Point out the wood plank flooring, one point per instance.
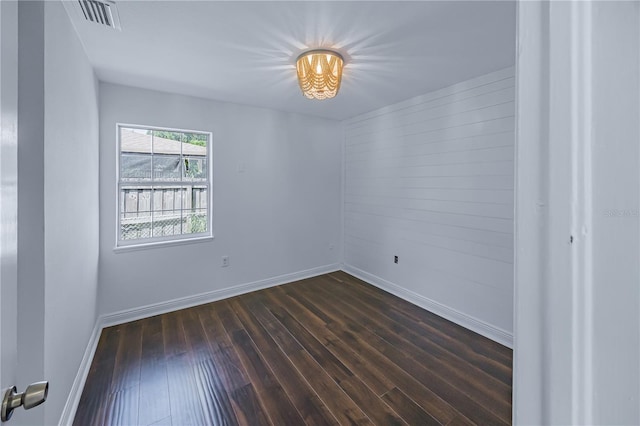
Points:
(323, 351)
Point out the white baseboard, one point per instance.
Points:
(211, 296)
(70, 407)
(120, 317)
(494, 333)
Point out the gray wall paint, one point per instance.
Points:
(431, 180)
(616, 217)
(279, 216)
(57, 204)
(70, 204)
(577, 304)
(31, 275)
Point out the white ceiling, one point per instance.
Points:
(245, 52)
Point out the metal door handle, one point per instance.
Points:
(34, 395)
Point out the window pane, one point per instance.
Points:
(165, 142)
(194, 210)
(196, 143)
(194, 151)
(135, 167)
(167, 219)
(166, 167)
(195, 168)
(135, 154)
(135, 213)
(135, 140)
(151, 161)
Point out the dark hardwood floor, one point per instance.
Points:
(327, 350)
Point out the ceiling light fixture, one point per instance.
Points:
(319, 73)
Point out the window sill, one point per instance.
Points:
(159, 244)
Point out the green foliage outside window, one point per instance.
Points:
(198, 224)
(192, 138)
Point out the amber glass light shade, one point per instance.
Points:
(319, 73)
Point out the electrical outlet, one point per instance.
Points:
(225, 261)
(395, 259)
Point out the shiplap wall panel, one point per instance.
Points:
(431, 180)
(432, 229)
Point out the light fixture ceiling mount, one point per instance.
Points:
(319, 73)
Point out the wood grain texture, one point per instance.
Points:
(323, 351)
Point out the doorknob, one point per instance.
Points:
(34, 395)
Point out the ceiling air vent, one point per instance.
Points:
(101, 12)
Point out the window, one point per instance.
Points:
(164, 185)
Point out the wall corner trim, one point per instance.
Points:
(489, 331)
(107, 320)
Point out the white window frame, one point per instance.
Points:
(153, 242)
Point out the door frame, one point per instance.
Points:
(8, 191)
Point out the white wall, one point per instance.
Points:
(70, 205)
(57, 205)
(577, 304)
(616, 213)
(431, 180)
(278, 217)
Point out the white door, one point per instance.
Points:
(8, 191)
